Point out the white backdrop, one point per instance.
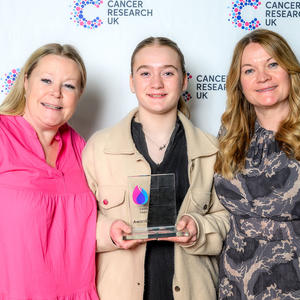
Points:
(205, 30)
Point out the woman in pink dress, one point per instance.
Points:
(47, 212)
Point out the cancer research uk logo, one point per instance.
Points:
(186, 95)
(7, 80)
(236, 16)
(202, 86)
(91, 14)
(209, 83)
(251, 14)
(78, 17)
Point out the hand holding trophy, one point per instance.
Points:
(152, 207)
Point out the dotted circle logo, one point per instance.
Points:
(8, 80)
(186, 95)
(77, 15)
(236, 14)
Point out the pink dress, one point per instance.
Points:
(47, 218)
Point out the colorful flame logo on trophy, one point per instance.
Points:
(139, 196)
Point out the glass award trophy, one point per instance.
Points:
(152, 207)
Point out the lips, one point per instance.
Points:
(161, 95)
(268, 89)
(51, 106)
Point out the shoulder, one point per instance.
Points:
(205, 142)
(117, 136)
(207, 137)
(6, 120)
(76, 139)
(4, 125)
(199, 143)
(98, 142)
(12, 125)
(100, 137)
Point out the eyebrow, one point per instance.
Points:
(249, 65)
(162, 67)
(51, 74)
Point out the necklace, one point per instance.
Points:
(160, 147)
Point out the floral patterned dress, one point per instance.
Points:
(260, 258)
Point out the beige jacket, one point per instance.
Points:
(109, 158)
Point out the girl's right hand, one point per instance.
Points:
(117, 230)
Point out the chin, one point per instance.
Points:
(53, 125)
(163, 111)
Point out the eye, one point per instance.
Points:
(145, 74)
(249, 71)
(45, 80)
(273, 65)
(168, 73)
(70, 86)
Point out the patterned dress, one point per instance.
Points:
(260, 258)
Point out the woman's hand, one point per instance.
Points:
(185, 223)
(117, 230)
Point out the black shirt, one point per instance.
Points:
(159, 261)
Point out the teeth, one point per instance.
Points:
(157, 96)
(51, 106)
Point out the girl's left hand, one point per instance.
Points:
(185, 223)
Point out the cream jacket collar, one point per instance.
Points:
(122, 142)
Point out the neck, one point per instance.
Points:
(270, 119)
(158, 129)
(45, 135)
(157, 125)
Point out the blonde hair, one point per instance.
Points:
(14, 102)
(163, 41)
(238, 120)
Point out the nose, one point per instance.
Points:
(263, 75)
(56, 90)
(157, 81)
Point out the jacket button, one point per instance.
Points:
(105, 201)
(177, 288)
(205, 206)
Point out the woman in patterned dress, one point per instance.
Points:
(258, 171)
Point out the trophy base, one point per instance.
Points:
(154, 233)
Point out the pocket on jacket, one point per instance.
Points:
(111, 196)
(200, 201)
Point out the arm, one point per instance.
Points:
(212, 228)
(104, 243)
(109, 230)
(206, 232)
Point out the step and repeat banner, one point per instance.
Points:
(106, 32)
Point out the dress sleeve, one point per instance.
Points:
(222, 131)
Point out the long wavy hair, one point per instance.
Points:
(163, 41)
(238, 120)
(14, 102)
